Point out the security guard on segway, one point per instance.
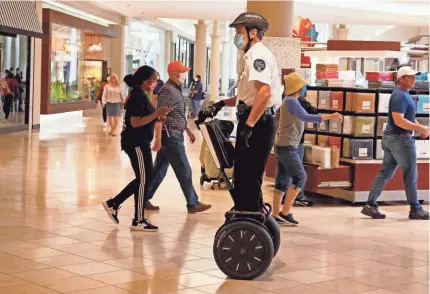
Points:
(259, 92)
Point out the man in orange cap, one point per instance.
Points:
(169, 140)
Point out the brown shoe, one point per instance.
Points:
(199, 208)
(149, 206)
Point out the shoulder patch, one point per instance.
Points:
(259, 65)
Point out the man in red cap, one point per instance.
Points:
(169, 140)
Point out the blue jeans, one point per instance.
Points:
(399, 150)
(195, 107)
(173, 153)
(290, 166)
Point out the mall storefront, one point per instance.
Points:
(76, 57)
(19, 26)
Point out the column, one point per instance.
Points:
(17, 52)
(200, 51)
(215, 62)
(118, 51)
(279, 14)
(226, 60)
(8, 53)
(233, 57)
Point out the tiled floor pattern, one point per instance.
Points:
(56, 238)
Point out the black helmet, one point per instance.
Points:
(251, 20)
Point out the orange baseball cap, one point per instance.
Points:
(177, 66)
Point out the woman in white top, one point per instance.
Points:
(112, 99)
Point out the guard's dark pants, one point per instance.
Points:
(8, 99)
(249, 163)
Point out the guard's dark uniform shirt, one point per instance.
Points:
(138, 104)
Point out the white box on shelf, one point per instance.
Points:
(321, 156)
(384, 101)
(423, 147)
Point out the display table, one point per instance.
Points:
(353, 179)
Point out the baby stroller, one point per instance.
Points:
(246, 243)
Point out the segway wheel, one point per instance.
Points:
(243, 249)
(275, 233)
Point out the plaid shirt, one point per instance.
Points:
(171, 96)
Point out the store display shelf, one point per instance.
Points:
(374, 161)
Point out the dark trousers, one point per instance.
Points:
(249, 163)
(141, 161)
(104, 114)
(8, 99)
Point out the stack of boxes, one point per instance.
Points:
(359, 135)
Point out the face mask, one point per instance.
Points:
(239, 42)
(303, 91)
(196, 80)
(182, 77)
(108, 79)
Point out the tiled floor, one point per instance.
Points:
(56, 238)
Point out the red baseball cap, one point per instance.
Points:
(177, 66)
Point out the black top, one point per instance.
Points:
(157, 89)
(137, 104)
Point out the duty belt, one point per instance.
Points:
(244, 110)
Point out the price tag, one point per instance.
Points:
(334, 127)
(335, 103)
(322, 126)
(323, 103)
(310, 125)
(365, 105)
(365, 129)
(362, 152)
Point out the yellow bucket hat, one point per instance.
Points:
(293, 83)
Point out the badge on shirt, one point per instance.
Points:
(259, 65)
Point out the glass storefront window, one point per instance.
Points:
(73, 78)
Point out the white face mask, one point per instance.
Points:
(182, 77)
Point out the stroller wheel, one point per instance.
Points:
(275, 233)
(243, 249)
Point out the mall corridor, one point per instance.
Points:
(55, 236)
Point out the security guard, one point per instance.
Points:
(259, 92)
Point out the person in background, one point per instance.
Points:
(100, 100)
(157, 89)
(169, 141)
(6, 94)
(196, 92)
(136, 137)
(18, 77)
(301, 199)
(290, 131)
(399, 148)
(12, 71)
(14, 88)
(112, 99)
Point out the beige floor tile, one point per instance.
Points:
(372, 266)
(305, 289)
(336, 258)
(9, 281)
(367, 254)
(306, 277)
(89, 237)
(404, 262)
(61, 260)
(73, 249)
(415, 288)
(380, 291)
(271, 283)
(410, 274)
(187, 291)
(132, 262)
(193, 280)
(89, 268)
(21, 266)
(104, 290)
(344, 286)
(72, 284)
(199, 265)
(379, 280)
(104, 254)
(36, 253)
(423, 268)
(55, 241)
(228, 287)
(43, 275)
(162, 271)
(153, 286)
(339, 271)
(306, 263)
(29, 289)
(119, 277)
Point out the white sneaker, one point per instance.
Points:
(143, 226)
(104, 125)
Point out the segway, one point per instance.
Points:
(247, 242)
